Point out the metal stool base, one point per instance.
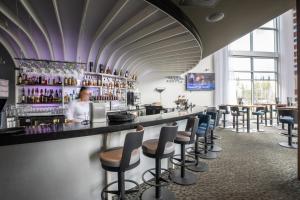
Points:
(200, 167)
(149, 194)
(286, 145)
(208, 155)
(188, 179)
(215, 149)
(287, 134)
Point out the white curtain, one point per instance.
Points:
(225, 87)
(286, 77)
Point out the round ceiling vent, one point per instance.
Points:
(215, 17)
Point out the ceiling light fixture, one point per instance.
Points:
(205, 3)
(215, 17)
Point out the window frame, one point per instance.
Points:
(260, 54)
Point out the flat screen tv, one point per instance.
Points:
(200, 81)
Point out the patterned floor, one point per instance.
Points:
(251, 166)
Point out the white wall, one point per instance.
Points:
(148, 84)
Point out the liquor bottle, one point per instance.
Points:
(121, 73)
(115, 72)
(37, 95)
(54, 81)
(42, 96)
(66, 81)
(126, 74)
(69, 81)
(28, 96)
(91, 67)
(40, 80)
(59, 81)
(32, 96)
(20, 79)
(23, 99)
(101, 69)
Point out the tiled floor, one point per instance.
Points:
(251, 166)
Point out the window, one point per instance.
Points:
(253, 63)
(242, 44)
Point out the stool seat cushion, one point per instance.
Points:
(201, 129)
(150, 147)
(287, 120)
(112, 157)
(183, 136)
(258, 113)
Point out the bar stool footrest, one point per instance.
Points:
(166, 182)
(115, 192)
(188, 162)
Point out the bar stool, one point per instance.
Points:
(287, 114)
(202, 130)
(259, 112)
(290, 122)
(181, 176)
(224, 110)
(236, 113)
(121, 159)
(159, 149)
(211, 143)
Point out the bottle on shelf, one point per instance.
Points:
(91, 68)
(126, 74)
(23, 98)
(101, 68)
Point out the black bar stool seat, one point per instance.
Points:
(224, 110)
(159, 149)
(121, 159)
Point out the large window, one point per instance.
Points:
(253, 64)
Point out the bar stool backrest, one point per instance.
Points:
(260, 108)
(277, 101)
(286, 113)
(213, 117)
(204, 122)
(132, 142)
(192, 126)
(234, 109)
(167, 134)
(225, 108)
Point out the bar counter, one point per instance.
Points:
(64, 131)
(61, 162)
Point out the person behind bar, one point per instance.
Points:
(79, 109)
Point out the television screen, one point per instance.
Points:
(200, 81)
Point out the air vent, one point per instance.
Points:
(204, 3)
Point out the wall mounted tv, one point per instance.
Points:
(200, 81)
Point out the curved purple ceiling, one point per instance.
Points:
(120, 34)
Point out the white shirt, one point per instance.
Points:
(78, 111)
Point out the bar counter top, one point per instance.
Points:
(64, 131)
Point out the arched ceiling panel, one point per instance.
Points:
(118, 34)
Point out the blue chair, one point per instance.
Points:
(260, 111)
(289, 120)
(204, 130)
(213, 124)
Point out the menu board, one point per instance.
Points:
(3, 88)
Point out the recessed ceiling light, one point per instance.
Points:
(215, 17)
